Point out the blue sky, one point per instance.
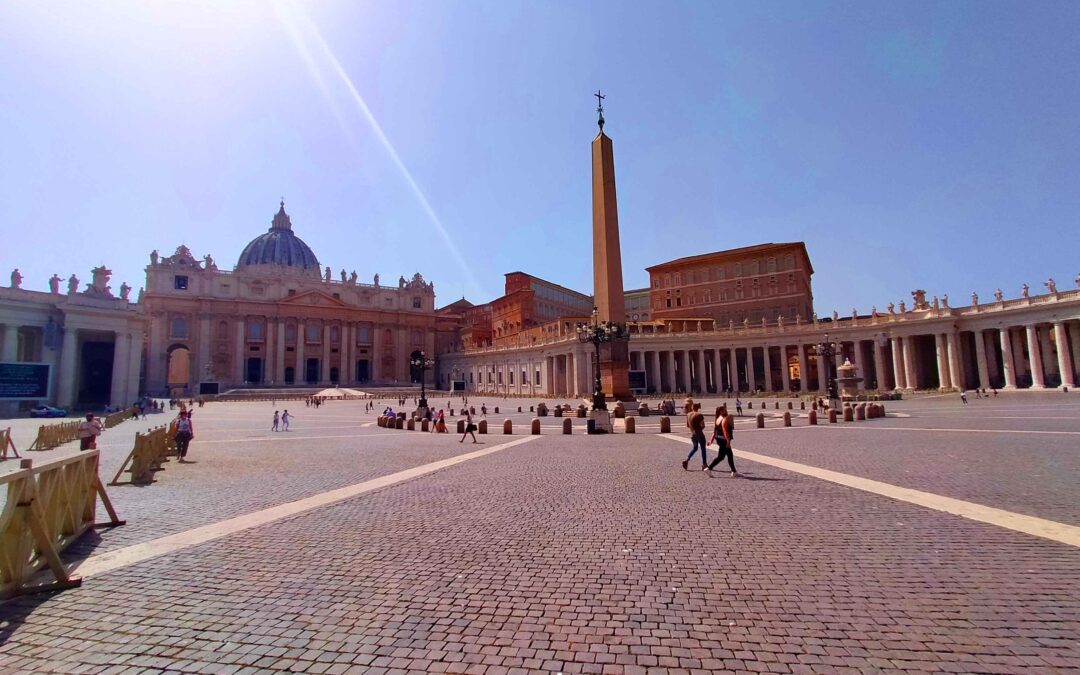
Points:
(911, 145)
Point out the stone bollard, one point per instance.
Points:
(582, 412)
(787, 419)
(802, 405)
(776, 405)
(749, 405)
(631, 427)
(451, 412)
(410, 425)
(425, 425)
(567, 426)
(761, 420)
(380, 421)
(472, 410)
(832, 415)
(849, 413)
(461, 426)
(811, 418)
(882, 409)
(508, 427)
(643, 410)
(531, 409)
(860, 412)
(496, 410)
(558, 411)
(535, 426)
(481, 428)
(399, 423)
(401, 415)
(665, 425)
(620, 410)
(789, 405)
(519, 409)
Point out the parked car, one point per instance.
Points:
(48, 411)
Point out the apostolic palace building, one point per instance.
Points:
(739, 320)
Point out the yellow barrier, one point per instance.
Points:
(48, 507)
(112, 419)
(150, 452)
(5, 443)
(54, 435)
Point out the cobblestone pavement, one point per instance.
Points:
(582, 554)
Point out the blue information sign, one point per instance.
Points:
(24, 381)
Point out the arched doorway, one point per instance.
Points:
(254, 371)
(179, 369)
(416, 373)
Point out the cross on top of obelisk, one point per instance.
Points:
(600, 108)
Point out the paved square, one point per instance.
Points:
(578, 554)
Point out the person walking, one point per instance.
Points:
(440, 423)
(470, 428)
(963, 396)
(285, 417)
(738, 406)
(89, 430)
(723, 432)
(185, 431)
(695, 422)
(277, 421)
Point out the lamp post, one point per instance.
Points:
(599, 332)
(828, 350)
(424, 364)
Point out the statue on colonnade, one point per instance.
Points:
(16, 278)
(54, 284)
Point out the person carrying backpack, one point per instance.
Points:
(185, 431)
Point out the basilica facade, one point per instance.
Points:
(278, 319)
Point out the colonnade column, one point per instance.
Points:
(347, 373)
(117, 393)
(702, 379)
(751, 377)
(204, 346)
(65, 395)
(238, 352)
(955, 376)
(822, 373)
(879, 364)
(767, 366)
(717, 371)
(941, 350)
(909, 363)
(1007, 359)
(785, 371)
(980, 360)
(654, 377)
(135, 345)
(899, 375)
(1065, 364)
(733, 370)
(11, 343)
(671, 371)
(804, 369)
(1038, 380)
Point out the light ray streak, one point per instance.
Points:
(290, 20)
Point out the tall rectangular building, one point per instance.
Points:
(743, 284)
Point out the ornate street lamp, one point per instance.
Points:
(828, 350)
(424, 364)
(599, 332)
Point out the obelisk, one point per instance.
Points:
(607, 263)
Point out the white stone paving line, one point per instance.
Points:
(130, 555)
(1039, 527)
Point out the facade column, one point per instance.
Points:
(980, 360)
(785, 370)
(956, 377)
(376, 352)
(702, 378)
(804, 368)
(118, 387)
(1007, 359)
(751, 376)
(238, 356)
(279, 348)
(11, 343)
(1065, 362)
(879, 364)
(733, 370)
(65, 395)
(269, 376)
(300, 373)
(345, 368)
(155, 356)
(941, 350)
(909, 363)
(324, 362)
(1038, 380)
(822, 373)
(899, 378)
(205, 351)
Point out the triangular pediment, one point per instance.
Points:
(314, 298)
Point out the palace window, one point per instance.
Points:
(690, 276)
(667, 280)
(416, 302)
(511, 373)
(255, 330)
(312, 332)
(180, 282)
(179, 327)
(738, 269)
(771, 265)
(668, 298)
(335, 334)
(754, 267)
(789, 261)
(678, 298)
(363, 334)
(537, 378)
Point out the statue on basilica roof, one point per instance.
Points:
(54, 284)
(73, 284)
(16, 278)
(125, 291)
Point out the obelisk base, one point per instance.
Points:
(615, 371)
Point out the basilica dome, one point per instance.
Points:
(279, 246)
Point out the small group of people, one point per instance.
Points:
(979, 393)
(723, 433)
(281, 422)
(315, 401)
(438, 425)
